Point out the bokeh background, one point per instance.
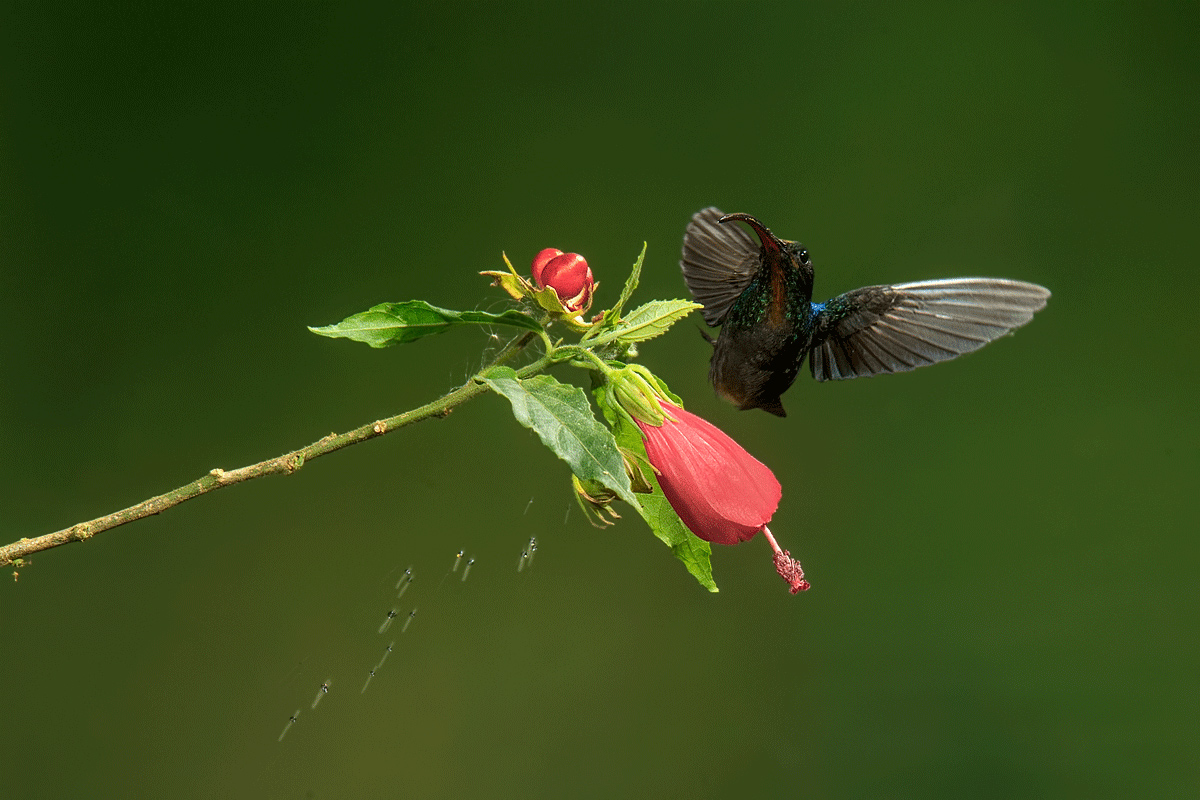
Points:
(1003, 549)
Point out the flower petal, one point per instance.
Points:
(722, 493)
(539, 264)
(568, 273)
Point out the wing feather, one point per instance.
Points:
(896, 328)
(718, 262)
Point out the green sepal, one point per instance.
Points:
(548, 299)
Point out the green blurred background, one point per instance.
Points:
(1002, 549)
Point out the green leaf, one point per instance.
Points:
(613, 315)
(631, 283)
(562, 417)
(694, 552)
(398, 323)
(646, 322)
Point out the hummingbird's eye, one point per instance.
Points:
(803, 256)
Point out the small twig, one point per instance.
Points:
(286, 463)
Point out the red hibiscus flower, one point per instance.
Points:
(721, 493)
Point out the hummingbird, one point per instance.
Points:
(760, 294)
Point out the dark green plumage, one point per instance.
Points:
(768, 329)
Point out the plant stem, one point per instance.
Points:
(286, 463)
(583, 353)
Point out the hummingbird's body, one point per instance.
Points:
(768, 330)
(760, 293)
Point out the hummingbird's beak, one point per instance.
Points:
(770, 243)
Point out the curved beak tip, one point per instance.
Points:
(766, 238)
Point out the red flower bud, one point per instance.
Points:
(722, 493)
(539, 263)
(568, 274)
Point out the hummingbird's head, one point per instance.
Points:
(774, 249)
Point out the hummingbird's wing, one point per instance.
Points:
(897, 328)
(718, 262)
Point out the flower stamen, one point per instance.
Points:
(788, 568)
